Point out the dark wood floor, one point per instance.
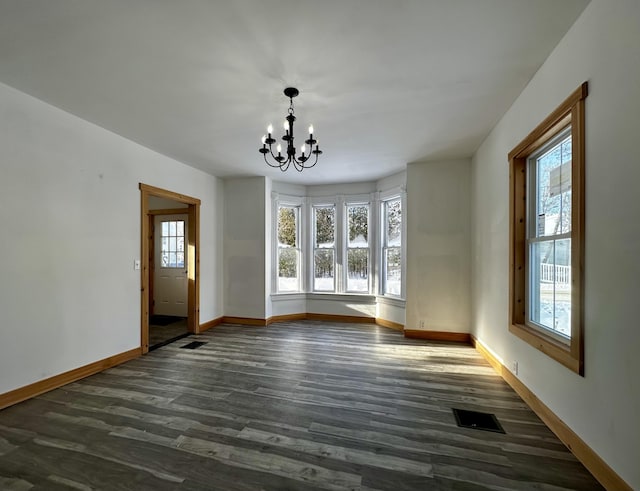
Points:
(295, 406)
(161, 334)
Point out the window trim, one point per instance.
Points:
(298, 248)
(345, 233)
(570, 112)
(288, 201)
(336, 260)
(383, 245)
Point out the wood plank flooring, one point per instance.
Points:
(293, 406)
(161, 334)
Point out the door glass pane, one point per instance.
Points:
(172, 244)
(323, 278)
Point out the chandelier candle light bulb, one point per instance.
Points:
(284, 161)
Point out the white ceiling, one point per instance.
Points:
(384, 82)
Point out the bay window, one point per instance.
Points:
(338, 245)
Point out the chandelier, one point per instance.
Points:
(281, 161)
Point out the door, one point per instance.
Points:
(170, 278)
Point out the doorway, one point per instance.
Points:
(168, 271)
(170, 244)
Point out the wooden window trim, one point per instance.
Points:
(571, 111)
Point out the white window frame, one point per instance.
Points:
(533, 236)
(335, 248)
(306, 231)
(290, 202)
(391, 195)
(350, 202)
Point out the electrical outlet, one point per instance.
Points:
(514, 367)
(421, 324)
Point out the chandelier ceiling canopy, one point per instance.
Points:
(277, 159)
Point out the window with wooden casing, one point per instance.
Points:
(546, 247)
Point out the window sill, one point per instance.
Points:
(553, 348)
(282, 297)
(366, 298)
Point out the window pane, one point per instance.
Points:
(288, 270)
(358, 270)
(393, 271)
(565, 187)
(172, 228)
(180, 228)
(553, 190)
(550, 295)
(287, 226)
(180, 260)
(172, 259)
(323, 274)
(393, 219)
(172, 244)
(358, 216)
(541, 283)
(165, 229)
(325, 219)
(563, 287)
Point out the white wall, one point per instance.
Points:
(245, 247)
(70, 222)
(438, 246)
(158, 203)
(602, 47)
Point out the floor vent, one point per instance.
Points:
(193, 345)
(477, 421)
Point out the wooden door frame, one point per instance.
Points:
(193, 259)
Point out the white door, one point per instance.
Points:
(170, 275)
